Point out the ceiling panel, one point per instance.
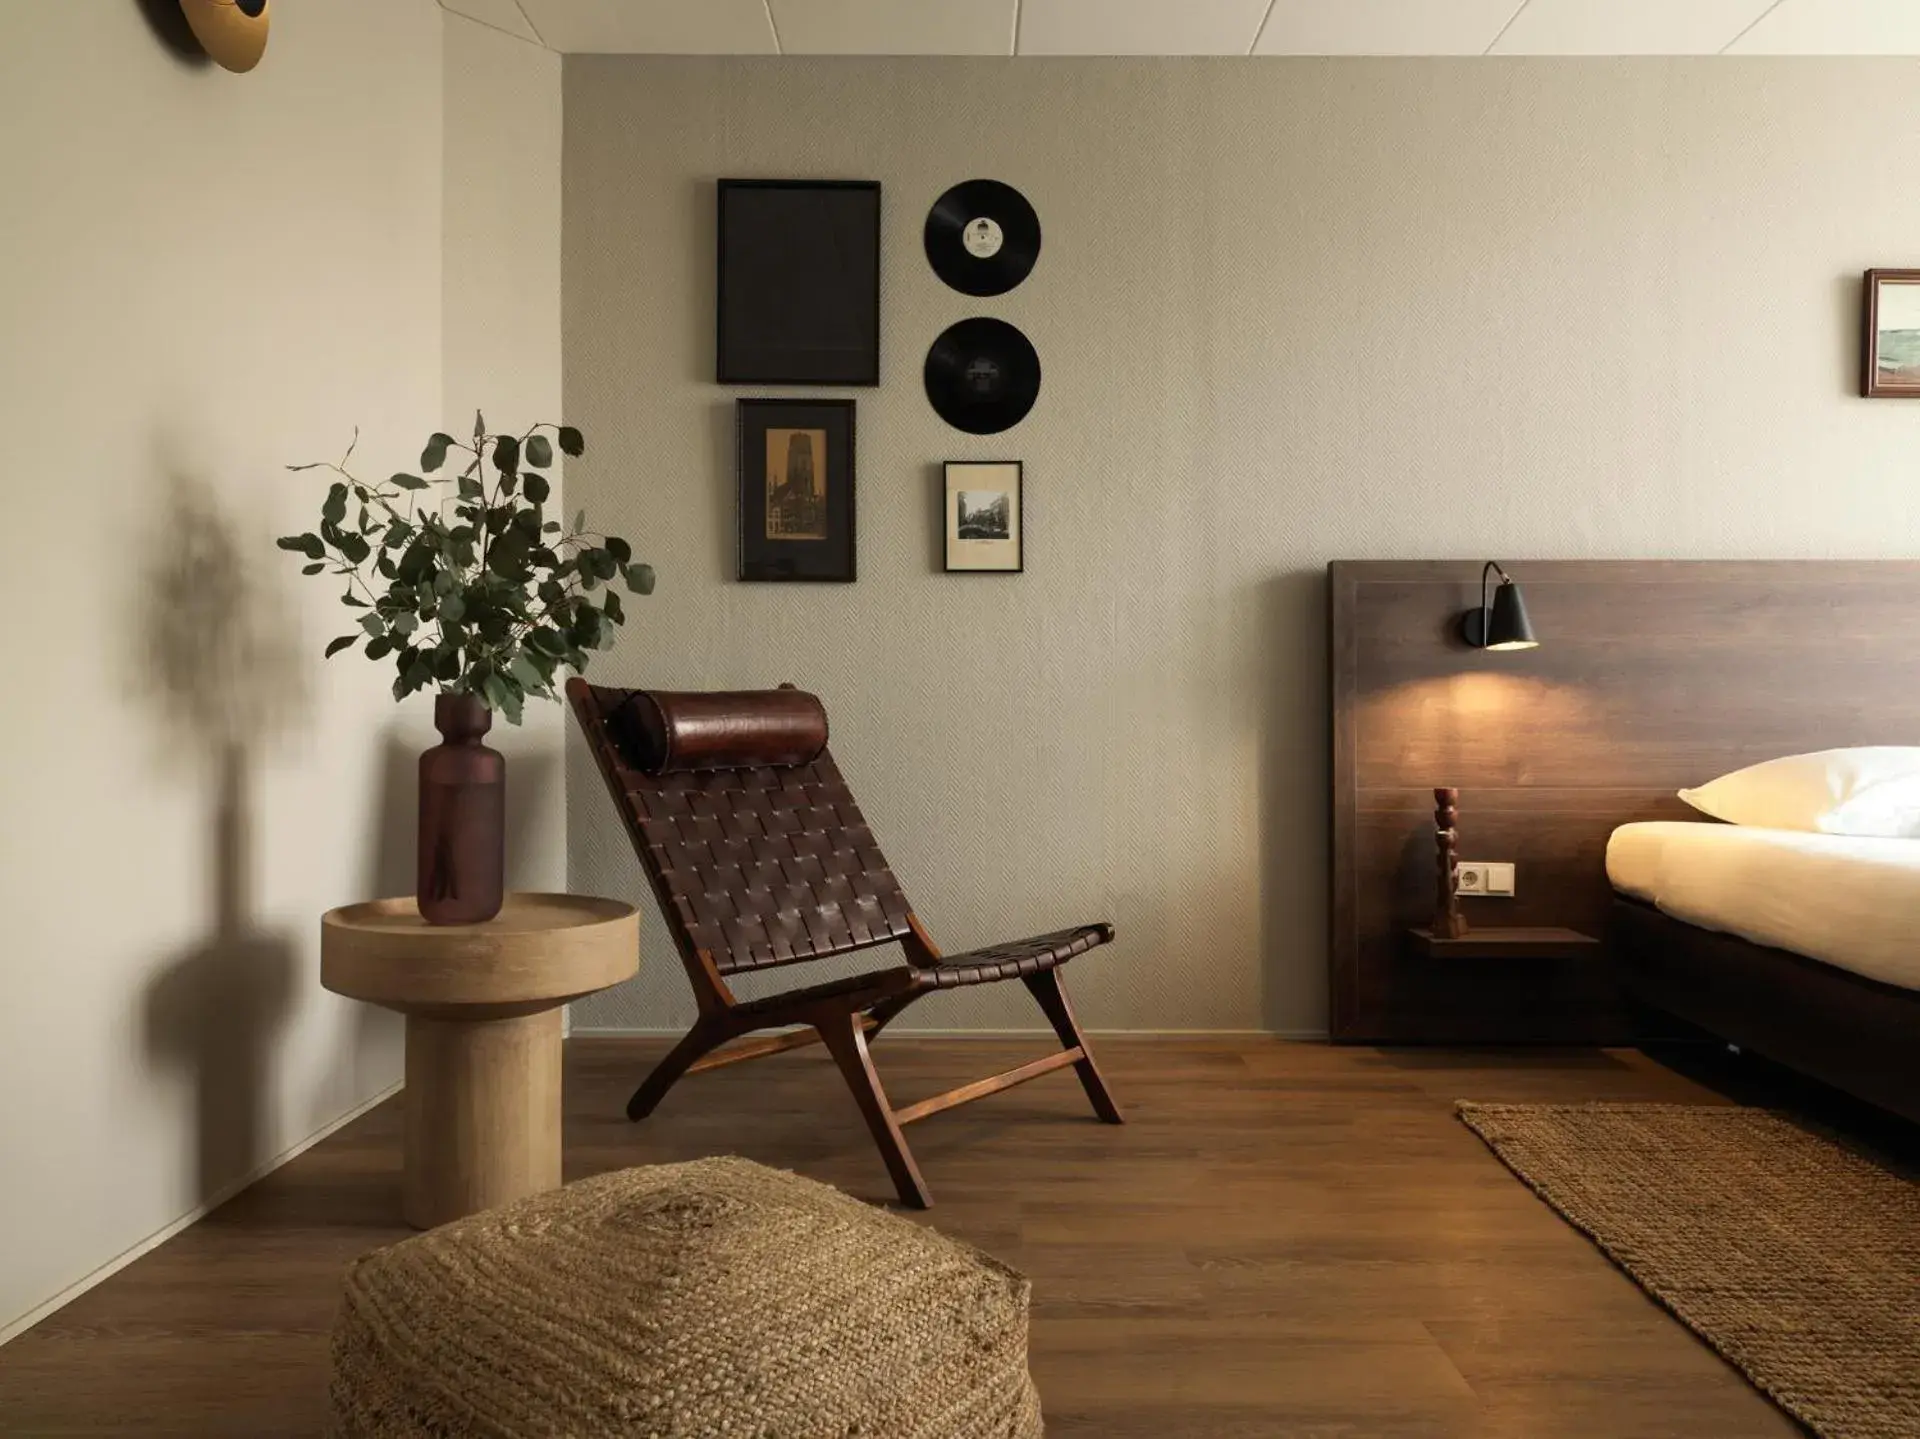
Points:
(1835, 27)
(1627, 27)
(1383, 27)
(654, 27)
(1138, 27)
(500, 14)
(894, 27)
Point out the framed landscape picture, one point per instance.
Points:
(799, 283)
(1891, 366)
(985, 529)
(796, 489)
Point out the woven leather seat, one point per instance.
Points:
(759, 856)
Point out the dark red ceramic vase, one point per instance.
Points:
(463, 817)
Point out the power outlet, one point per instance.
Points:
(1487, 879)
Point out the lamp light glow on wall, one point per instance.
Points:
(1500, 623)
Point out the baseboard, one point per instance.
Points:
(902, 1032)
(200, 1211)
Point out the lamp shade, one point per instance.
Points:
(1507, 625)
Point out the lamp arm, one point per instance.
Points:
(1486, 608)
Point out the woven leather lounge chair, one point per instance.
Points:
(759, 857)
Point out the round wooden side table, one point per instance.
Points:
(482, 1003)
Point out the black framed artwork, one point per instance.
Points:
(798, 283)
(795, 460)
(984, 517)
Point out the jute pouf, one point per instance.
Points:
(717, 1298)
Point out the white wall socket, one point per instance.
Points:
(1481, 877)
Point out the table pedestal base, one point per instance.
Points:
(482, 1113)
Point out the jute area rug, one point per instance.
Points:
(1794, 1258)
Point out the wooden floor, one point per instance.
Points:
(1286, 1240)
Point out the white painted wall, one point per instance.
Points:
(204, 277)
(500, 336)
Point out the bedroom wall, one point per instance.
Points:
(1288, 311)
(203, 277)
(500, 337)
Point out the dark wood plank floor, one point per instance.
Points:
(1287, 1240)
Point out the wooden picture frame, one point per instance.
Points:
(1890, 335)
(983, 516)
(798, 283)
(795, 468)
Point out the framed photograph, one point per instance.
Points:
(796, 489)
(1891, 366)
(799, 283)
(986, 532)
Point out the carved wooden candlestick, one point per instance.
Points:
(1448, 922)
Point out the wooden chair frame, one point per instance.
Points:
(846, 1014)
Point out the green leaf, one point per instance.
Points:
(539, 452)
(373, 624)
(314, 568)
(405, 623)
(414, 482)
(506, 454)
(612, 608)
(548, 641)
(309, 545)
(353, 601)
(640, 579)
(571, 441)
(355, 548)
(536, 487)
(432, 457)
(471, 488)
(379, 649)
(479, 429)
(446, 663)
(619, 549)
(344, 642)
(334, 510)
(528, 673)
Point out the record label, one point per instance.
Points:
(982, 237)
(982, 376)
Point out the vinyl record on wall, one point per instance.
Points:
(982, 376)
(233, 32)
(982, 237)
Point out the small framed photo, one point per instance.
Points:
(798, 285)
(986, 532)
(1891, 365)
(796, 489)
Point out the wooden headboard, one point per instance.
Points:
(1650, 676)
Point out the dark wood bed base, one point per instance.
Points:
(1854, 1033)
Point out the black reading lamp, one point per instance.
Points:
(1501, 622)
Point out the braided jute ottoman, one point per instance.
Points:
(717, 1298)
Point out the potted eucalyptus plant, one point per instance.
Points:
(471, 588)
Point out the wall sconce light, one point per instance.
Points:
(1500, 623)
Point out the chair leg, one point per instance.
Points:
(698, 1040)
(1052, 998)
(888, 1010)
(847, 1042)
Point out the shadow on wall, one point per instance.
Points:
(169, 25)
(219, 674)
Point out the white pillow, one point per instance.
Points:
(1872, 791)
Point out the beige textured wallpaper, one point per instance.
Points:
(1288, 311)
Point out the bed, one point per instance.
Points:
(1801, 947)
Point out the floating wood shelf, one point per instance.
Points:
(1511, 942)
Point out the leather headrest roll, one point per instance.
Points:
(664, 732)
